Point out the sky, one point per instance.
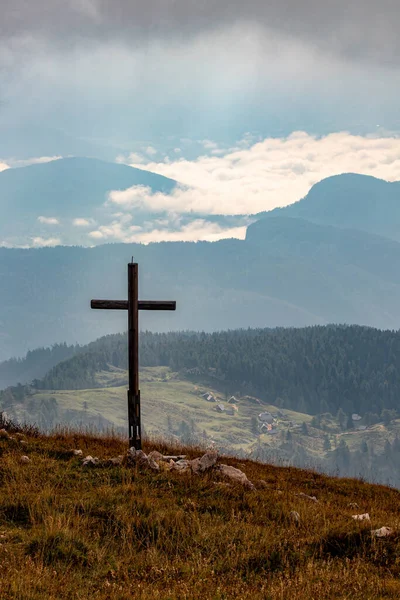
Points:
(246, 104)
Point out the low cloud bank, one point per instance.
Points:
(254, 177)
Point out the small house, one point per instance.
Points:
(207, 396)
(266, 417)
(220, 408)
(267, 428)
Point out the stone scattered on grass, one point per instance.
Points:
(206, 462)
(155, 455)
(181, 465)
(353, 505)
(138, 457)
(174, 463)
(294, 515)
(25, 460)
(363, 517)
(174, 458)
(90, 461)
(235, 475)
(382, 532)
(307, 497)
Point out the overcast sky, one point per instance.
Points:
(115, 78)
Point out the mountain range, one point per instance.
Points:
(326, 259)
(351, 201)
(45, 200)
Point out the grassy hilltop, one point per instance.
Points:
(70, 532)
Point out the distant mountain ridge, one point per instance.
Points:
(65, 189)
(78, 188)
(295, 268)
(351, 201)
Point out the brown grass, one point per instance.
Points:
(119, 533)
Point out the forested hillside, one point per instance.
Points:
(34, 365)
(311, 370)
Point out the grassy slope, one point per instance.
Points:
(165, 395)
(68, 533)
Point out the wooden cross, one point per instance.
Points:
(133, 305)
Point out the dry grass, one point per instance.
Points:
(118, 533)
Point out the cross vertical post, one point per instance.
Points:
(133, 305)
(135, 436)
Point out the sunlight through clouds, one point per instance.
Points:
(273, 172)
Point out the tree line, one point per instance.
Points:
(312, 370)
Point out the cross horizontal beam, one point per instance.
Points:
(142, 304)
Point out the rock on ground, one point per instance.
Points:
(294, 515)
(25, 460)
(363, 517)
(307, 497)
(90, 461)
(235, 475)
(138, 457)
(382, 532)
(206, 462)
(182, 465)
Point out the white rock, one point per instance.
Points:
(174, 458)
(25, 460)
(140, 458)
(156, 455)
(363, 517)
(77, 452)
(90, 461)
(294, 515)
(235, 475)
(180, 465)
(382, 532)
(207, 461)
(307, 497)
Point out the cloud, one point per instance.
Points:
(362, 28)
(198, 230)
(79, 222)
(96, 235)
(45, 242)
(171, 227)
(150, 151)
(253, 177)
(48, 220)
(119, 229)
(32, 161)
(3, 166)
(115, 92)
